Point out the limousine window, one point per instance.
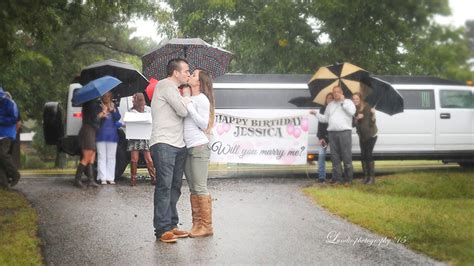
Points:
(262, 98)
(418, 99)
(456, 99)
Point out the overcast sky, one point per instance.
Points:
(461, 10)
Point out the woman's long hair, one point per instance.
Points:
(362, 102)
(205, 85)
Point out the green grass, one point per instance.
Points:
(433, 209)
(19, 244)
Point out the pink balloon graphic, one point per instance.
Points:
(290, 128)
(226, 127)
(220, 129)
(297, 132)
(305, 124)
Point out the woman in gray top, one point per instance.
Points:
(197, 125)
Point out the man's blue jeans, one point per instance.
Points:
(169, 164)
(322, 163)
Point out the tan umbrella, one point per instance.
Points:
(348, 76)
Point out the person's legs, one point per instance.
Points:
(200, 168)
(335, 156)
(4, 147)
(111, 153)
(150, 167)
(188, 171)
(363, 160)
(101, 161)
(177, 182)
(321, 163)
(133, 167)
(370, 159)
(7, 163)
(164, 157)
(346, 154)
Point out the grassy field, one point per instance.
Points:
(19, 244)
(434, 210)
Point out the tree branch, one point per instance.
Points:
(108, 46)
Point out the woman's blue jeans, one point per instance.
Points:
(322, 163)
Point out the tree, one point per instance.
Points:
(384, 37)
(40, 59)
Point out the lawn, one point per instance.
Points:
(19, 244)
(433, 209)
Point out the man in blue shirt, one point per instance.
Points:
(8, 120)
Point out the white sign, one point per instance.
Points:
(137, 125)
(282, 140)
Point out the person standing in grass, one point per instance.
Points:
(339, 115)
(367, 131)
(8, 121)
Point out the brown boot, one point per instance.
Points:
(151, 172)
(205, 204)
(78, 176)
(133, 174)
(196, 213)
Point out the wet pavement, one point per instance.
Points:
(256, 221)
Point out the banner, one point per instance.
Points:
(281, 140)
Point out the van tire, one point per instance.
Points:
(53, 124)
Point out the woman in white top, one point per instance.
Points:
(197, 124)
(135, 146)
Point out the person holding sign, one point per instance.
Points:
(323, 141)
(137, 145)
(199, 122)
(339, 115)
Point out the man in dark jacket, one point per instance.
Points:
(8, 120)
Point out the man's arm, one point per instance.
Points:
(323, 118)
(349, 107)
(176, 101)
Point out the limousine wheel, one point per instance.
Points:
(466, 164)
(53, 126)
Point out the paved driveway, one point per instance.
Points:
(256, 221)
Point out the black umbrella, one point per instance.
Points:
(132, 80)
(197, 52)
(383, 96)
(351, 79)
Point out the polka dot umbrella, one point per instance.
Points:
(197, 52)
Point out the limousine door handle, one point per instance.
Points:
(445, 116)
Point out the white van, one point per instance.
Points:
(437, 122)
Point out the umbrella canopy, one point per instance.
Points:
(94, 89)
(346, 75)
(197, 52)
(132, 80)
(383, 96)
(351, 79)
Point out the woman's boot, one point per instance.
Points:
(133, 173)
(78, 176)
(90, 176)
(205, 205)
(151, 172)
(365, 169)
(196, 213)
(371, 165)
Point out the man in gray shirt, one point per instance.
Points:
(168, 149)
(339, 115)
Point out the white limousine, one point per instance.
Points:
(437, 122)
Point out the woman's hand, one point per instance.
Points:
(313, 112)
(359, 116)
